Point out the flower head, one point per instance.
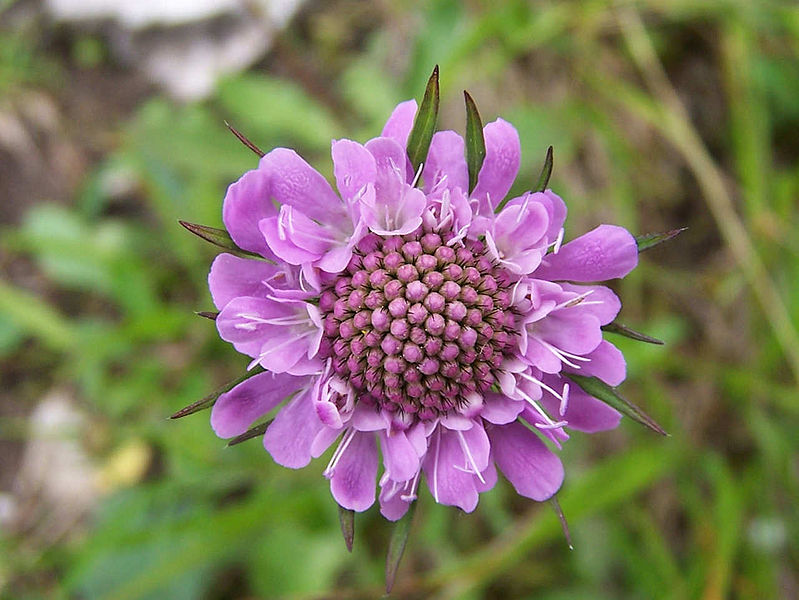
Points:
(413, 321)
(407, 319)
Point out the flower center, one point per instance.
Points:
(417, 326)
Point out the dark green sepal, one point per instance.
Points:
(396, 546)
(211, 398)
(218, 237)
(620, 329)
(244, 140)
(602, 391)
(207, 314)
(650, 240)
(346, 518)
(475, 141)
(424, 125)
(546, 172)
(252, 432)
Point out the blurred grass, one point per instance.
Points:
(663, 113)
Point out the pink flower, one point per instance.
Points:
(409, 323)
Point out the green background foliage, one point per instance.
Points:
(662, 113)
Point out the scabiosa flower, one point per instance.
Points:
(416, 317)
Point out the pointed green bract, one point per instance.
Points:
(347, 519)
(650, 240)
(218, 237)
(259, 429)
(424, 125)
(546, 172)
(208, 314)
(620, 329)
(244, 140)
(602, 391)
(553, 501)
(399, 537)
(475, 141)
(211, 398)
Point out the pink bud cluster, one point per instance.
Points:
(417, 325)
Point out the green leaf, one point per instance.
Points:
(424, 125)
(475, 142)
(650, 240)
(218, 237)
(211, 398)
(620, 329)
(602, 391)
(546, 172)
(347, 519)
(396, 546)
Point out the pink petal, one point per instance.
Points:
(607, 252)
(399, 124)
(288, 439)
(526, 462)
(231, 276)
(353, 166)
(584, 412)
(399, 456)
(298, 184)
(283, 245)
(246, 202)
(446, 161)
(392, 505)
(237, 409)
(489, 478)
(503, 154)
(602, 302)
(353, 479)
(499, 409)
(607, 363)
(443, 467)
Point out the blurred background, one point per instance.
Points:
(662, 113)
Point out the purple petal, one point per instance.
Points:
(607, 252)
(237, 409)
(571, 329)
(499, 409)
(444, 468)
(601, 302)
(503, 154)
(298, 184)
(607, 363)
(399, 456)
(489, 478)
(353, 166)
(254, 327)
(231, 277)
(392, 505)
(282, 245)
(556, 208)
(288, 439)
(526, 462)
(445, 161)
(246, 202)
(584, 412)
(353, 479)
(399, 124)
(476, 447)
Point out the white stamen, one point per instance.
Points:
(345, 442)
(414, 485)
(559, 240)
(468, 453)
(562, 355)
(564, 400)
